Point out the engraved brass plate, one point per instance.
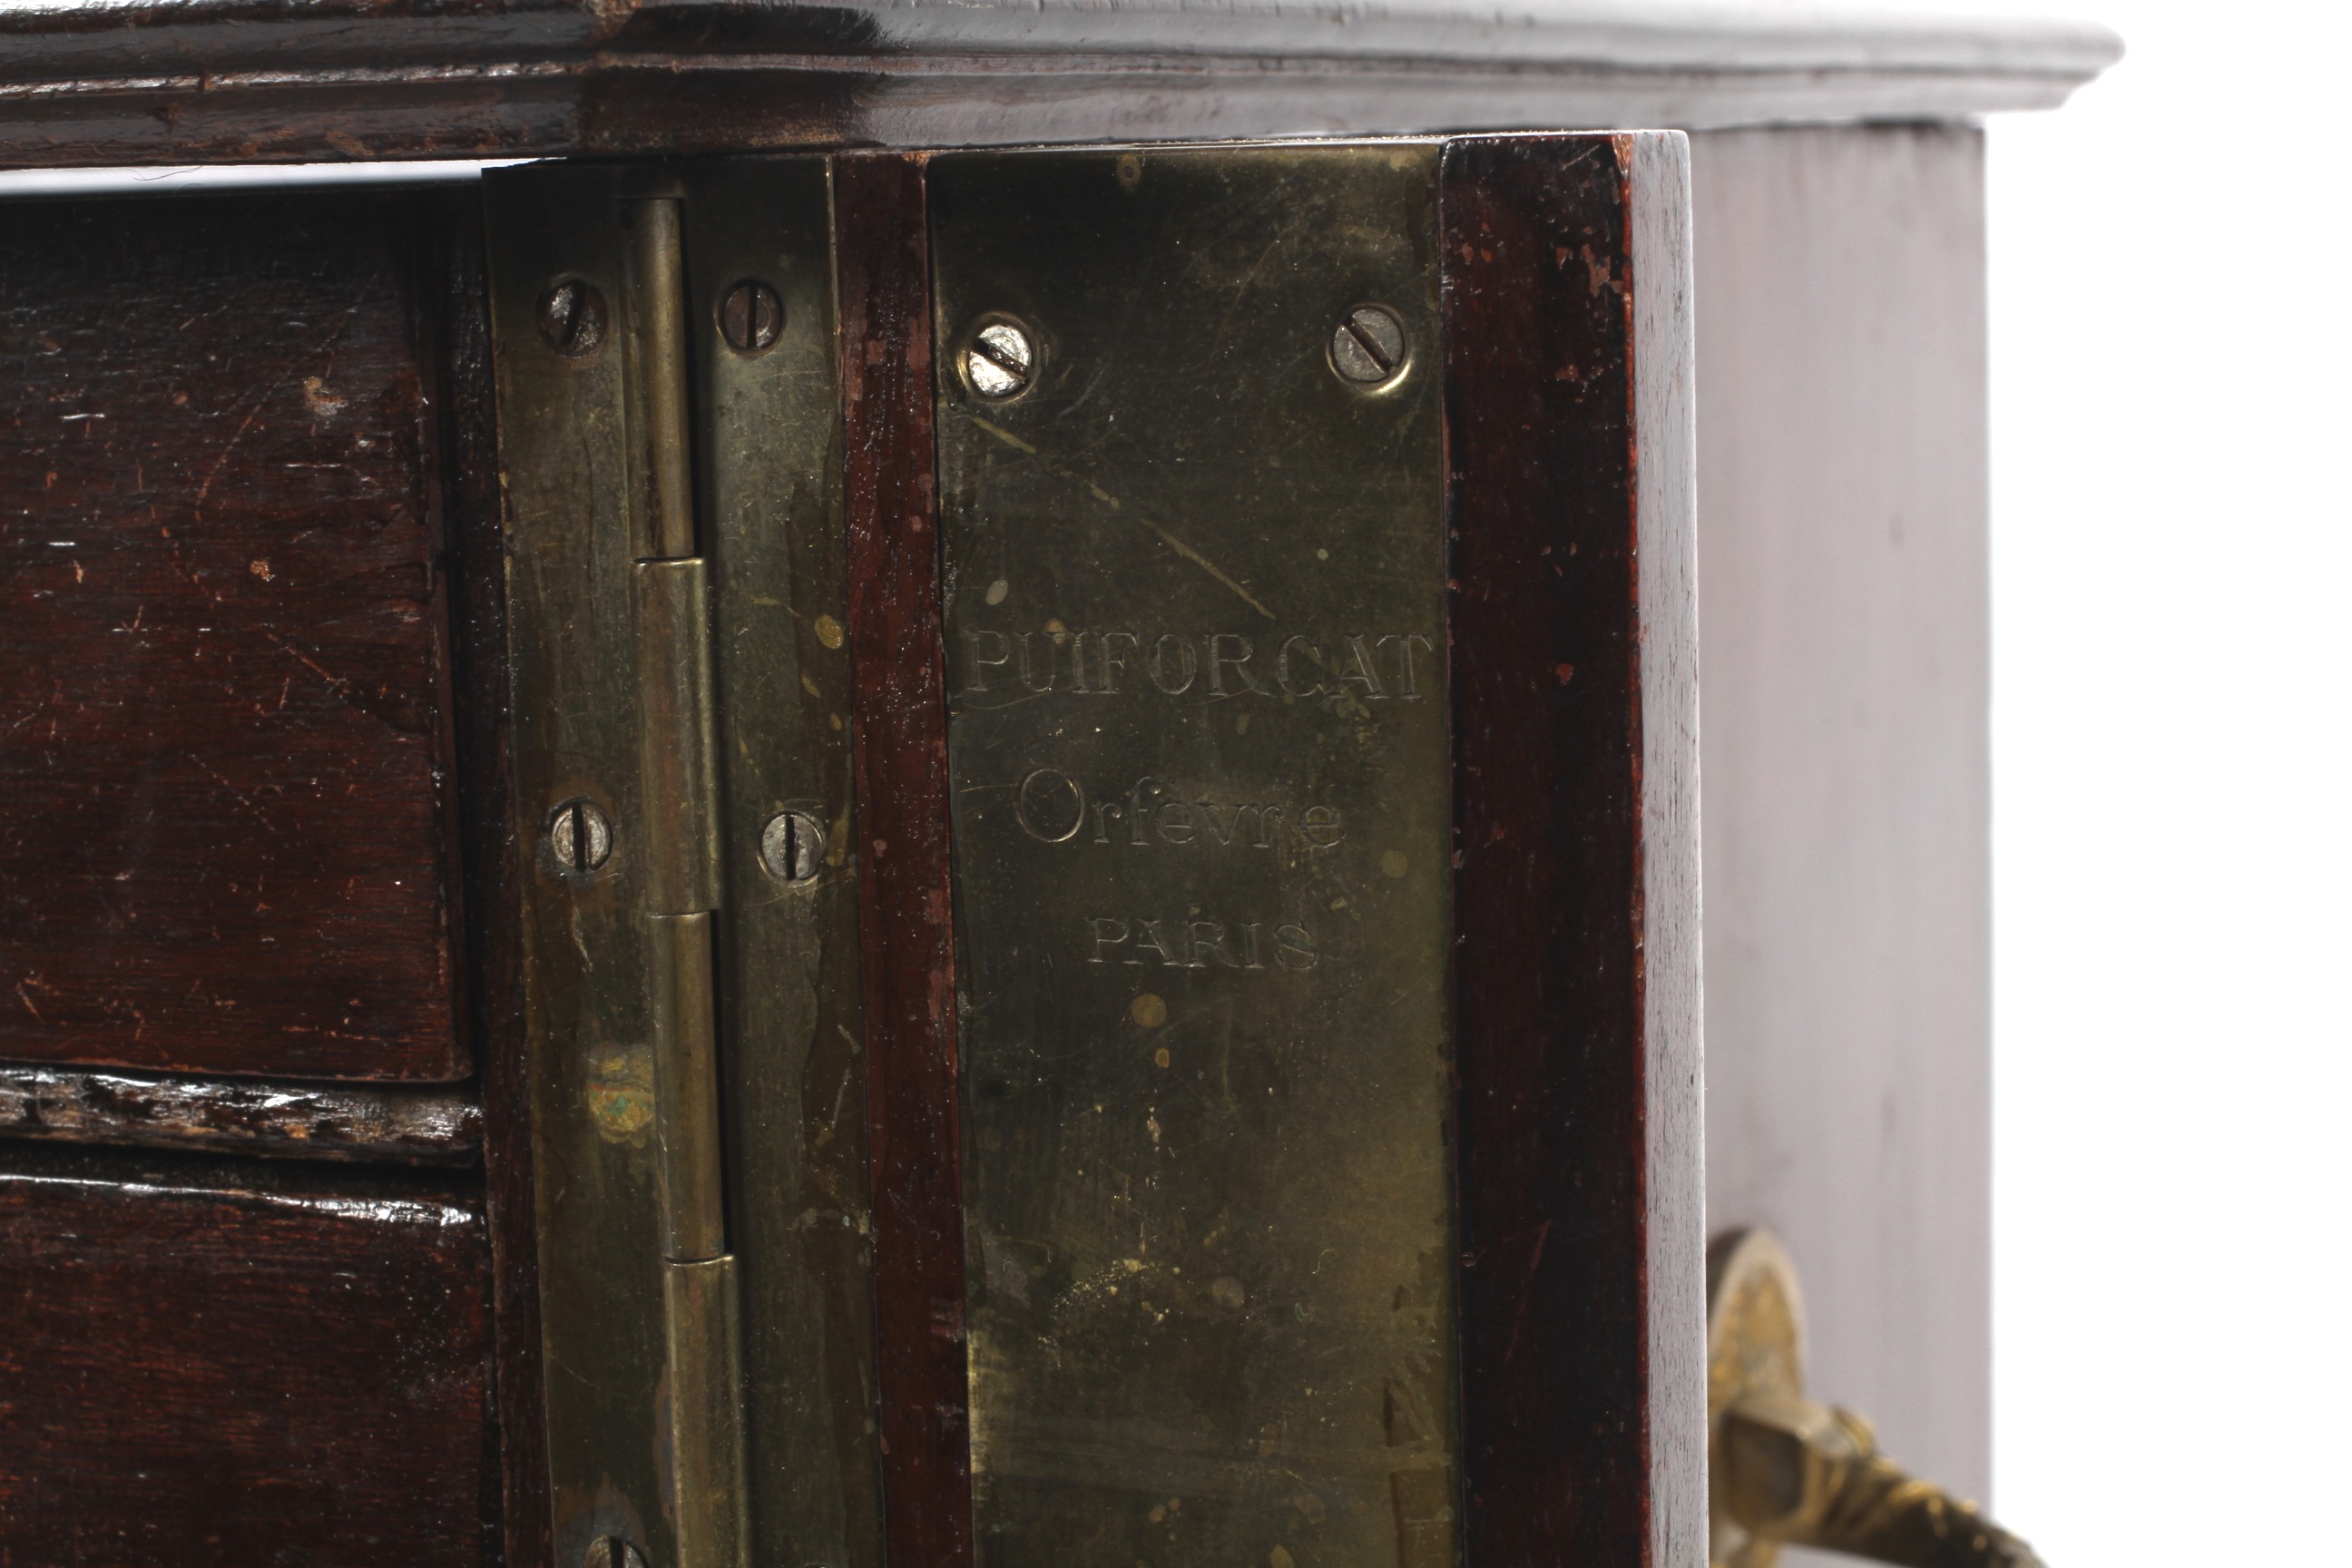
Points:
(1192, 512)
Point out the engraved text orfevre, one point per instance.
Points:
(1052, 807)
(1368, 667)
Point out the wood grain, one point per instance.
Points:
(316, 1121)
(905, 876)
(462, 397)
(228, 843)
(1562, 1284)
(157, 81)
(198, 1368)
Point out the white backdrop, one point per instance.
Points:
(2172, 556)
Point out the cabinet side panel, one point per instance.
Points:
(1841, 359)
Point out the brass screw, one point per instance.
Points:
(792, 847)
(612, 1551)
(580, 835)
(571, 318)
(1000, 359)
(751, 317)
(1368, 346)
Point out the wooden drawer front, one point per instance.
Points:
(222, 726)
(196, 1377)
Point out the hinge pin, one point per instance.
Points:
(654, 310)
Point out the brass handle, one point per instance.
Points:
(1787, 1471)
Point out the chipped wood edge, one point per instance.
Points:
(315, 1122)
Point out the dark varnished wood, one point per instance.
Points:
(94, 81)
(882, 246)
(227, 846)
(345, 78)
(571, 104)
(1547, 690)
(464, 399)
(316, 1121)
(206, 1366)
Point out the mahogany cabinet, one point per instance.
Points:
(608, 765)
(315, 832)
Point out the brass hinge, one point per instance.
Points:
(668, 433)
(700, 1316)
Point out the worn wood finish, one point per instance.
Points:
(465, 401)
(316, 1121)
(227, 846)
(171, 79)
(199, 1368)
(1576, 891)
(882, 249)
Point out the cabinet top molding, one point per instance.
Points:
(101, 82)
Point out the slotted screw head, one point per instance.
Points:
(1000, 359)
(1368, 346)
(580, 835)
(571, 318)
(792, 847)
(751, 317)
(612, 1551)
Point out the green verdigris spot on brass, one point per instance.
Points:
(1195, 633)
(620, 1093)
(564, 441)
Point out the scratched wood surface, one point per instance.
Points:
(882, 244)
(227, 842)
(202, 1366)
(465, 398)
(1578, 1108)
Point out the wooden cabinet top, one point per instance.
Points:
(84, 82)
